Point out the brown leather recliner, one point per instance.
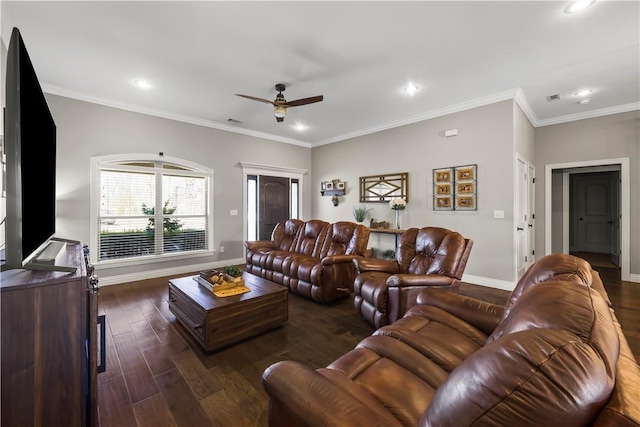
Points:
(427, 257)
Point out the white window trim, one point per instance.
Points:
(97, 162)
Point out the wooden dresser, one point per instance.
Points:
(49, 345)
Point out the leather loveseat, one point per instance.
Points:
(312, 259)
(554, 355)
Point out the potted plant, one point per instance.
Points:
(360, 213)
(389, 254)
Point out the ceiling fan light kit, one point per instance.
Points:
(280, 104)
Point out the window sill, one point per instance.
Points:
(151, 259)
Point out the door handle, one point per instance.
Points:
(530, 225)
(609, 222)
(519, 229)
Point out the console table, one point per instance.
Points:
(394, 231)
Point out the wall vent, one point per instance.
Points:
(555, 97)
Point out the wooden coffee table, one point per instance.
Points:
(218, 322)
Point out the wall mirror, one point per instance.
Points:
(382, 188)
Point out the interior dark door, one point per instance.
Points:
(593, 212)
(273, 202)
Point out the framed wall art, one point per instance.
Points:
(455, 188)
(443, 189)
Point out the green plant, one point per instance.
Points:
(389, 253)
(171, 225)
(360, 213)
(232, 270)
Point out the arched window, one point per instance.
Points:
(144, 207)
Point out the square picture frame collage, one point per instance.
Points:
(455, 188)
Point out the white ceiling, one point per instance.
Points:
(359, 55)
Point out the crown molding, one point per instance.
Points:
(589, 114)
(515, 94)
(171, 116)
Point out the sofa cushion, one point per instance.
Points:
(437, 251)
(553, 364)
(439, 336)
(554, 266)
(345, 238)
(312, 237)
(389, 372)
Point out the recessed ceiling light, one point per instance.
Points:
(583, 92)
(578, 5)
(585, 101)
(299, 127)
(411, 88)
(142, 84)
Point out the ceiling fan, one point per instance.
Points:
(280, 104)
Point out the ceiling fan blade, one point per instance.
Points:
(304, 101)
(256, 99)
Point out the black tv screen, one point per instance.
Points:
(30, 145)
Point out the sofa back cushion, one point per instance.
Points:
(312, 237)
(554, 364)
(554, 266)
(345, 238)
(431, 250)
(285, 234)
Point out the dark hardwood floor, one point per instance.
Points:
(157, 376)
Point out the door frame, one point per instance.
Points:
(566, 194)
(625, 207)
(271, 170)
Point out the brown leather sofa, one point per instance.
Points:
(554, 355)
(427, 257)
(312, 259)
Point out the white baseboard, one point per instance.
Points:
(489, 282)
(163, 272)
(151, 274)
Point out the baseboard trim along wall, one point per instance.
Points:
(488, 282)
(163, 272)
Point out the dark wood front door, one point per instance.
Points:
(273, 202)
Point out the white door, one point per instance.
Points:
(531, 179)
(521, 216)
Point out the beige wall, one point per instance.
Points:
(607, 137)
(488, 136)
(485, 137)
(86, 130)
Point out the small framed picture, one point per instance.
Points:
(442, 203)
(442, 175)
(467, 203)
(340, 186)
(329, 185)
(443, 189)
(466, 173)
(465, 187)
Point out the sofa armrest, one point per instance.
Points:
(410, 280)
(480, 314)
(255, 244)
(338, 259)
(374, 264)
(301, 396)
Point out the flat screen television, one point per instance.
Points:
(30, 148)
